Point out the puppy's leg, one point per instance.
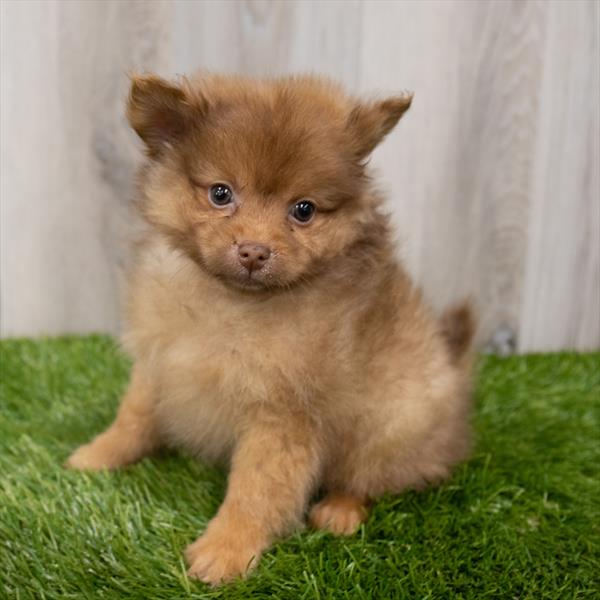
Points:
(273, 471)
(132, 436)
(340, 513)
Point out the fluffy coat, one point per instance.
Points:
(320, 370)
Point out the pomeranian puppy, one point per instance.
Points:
(272, 327)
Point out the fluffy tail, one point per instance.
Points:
(458, 325)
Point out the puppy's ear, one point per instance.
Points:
(158, 111)
(369, 123)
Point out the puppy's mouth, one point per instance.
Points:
(250, 281)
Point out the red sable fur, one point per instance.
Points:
(321, 370)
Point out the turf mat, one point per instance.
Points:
(520, 520)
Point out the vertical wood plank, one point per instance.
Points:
(266, 38)
(68, 157)
(561, 305)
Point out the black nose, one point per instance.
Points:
(253, 255)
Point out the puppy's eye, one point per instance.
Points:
(303, 211)
(220, 194)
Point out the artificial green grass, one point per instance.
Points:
(520, 520)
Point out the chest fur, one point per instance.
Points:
(212, 363)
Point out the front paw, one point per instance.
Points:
(220, 555)
(340, 514)
(89, 457)
(104, 452)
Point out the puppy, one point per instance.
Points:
(272, 327)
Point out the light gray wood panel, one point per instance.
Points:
(492, 176)
(264, 38)
(68, 157)
(561, 305)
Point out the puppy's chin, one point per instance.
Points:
(253, 283)
(247, 284)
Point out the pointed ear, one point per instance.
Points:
(158, 111)
(370, 123)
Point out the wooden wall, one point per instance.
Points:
(493, 176)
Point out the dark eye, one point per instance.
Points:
(220, 194)
(303, 211)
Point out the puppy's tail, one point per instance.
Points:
(458, 325)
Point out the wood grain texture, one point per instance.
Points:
(561, 304)
(492, 177)
(265, 38)
(68, 158)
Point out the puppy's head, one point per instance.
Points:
(261, 182)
